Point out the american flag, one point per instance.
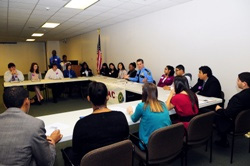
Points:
(99, 53)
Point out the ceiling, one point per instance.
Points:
(19, 19)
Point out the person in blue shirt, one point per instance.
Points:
(143, 74)
(55, 59)
(152, 112)
(69, 73)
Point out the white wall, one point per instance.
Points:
(200, 32)
(22, 54)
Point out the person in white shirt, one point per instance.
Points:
(54, 73)
(13, 74)
(122, 70)
(180, 71)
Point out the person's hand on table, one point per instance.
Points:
(217, 108)
(145, 80)
(130, 110)
(126, 77)
(166, 88)
(55, 137)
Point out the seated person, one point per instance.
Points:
(104, 70)
(102, 127)
(121, 70)
(64, 62)
(207, 85)
(143, 75)
(35, 75)
(180, 71)
(13, 74)
(54, 73)
(54, 59)
(132, 72)
(152, 113)
(112, 71)
(224, 118)
(85, 70)
(167, 78)
(69, 73)
(183, 100)
(22, 139)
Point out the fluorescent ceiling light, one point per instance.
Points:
(80, 4)
(30, 39)
(37, 34)
(50, 25)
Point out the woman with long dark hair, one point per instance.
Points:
(35, 75)
(85, 70)
(113, 72)
(167, 78)
(104, 70)
(152, 112)
(183, 100)
(121, 70)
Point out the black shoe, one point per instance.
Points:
(222, 143)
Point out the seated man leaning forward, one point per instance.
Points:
(22, 139)
(143, 74)
(13, 74)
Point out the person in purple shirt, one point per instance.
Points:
(167, 78)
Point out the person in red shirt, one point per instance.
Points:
(167, 78)
(183, 100)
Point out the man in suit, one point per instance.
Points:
(207, 85)
(224, 119)
(22, 137)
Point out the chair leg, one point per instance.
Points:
(232, 150)
(211, 148)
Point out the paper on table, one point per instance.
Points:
(54, 126)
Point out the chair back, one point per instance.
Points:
(165, 143)
(120, 153)
(200, 128)
(242, 122)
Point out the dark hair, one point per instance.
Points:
(105, 64)
(10, 65)
(85, 63)
(123, 68)
(180, 67)
(133, 64)
(67, 65)
(64, 56)
(32, 67)
(112, 65)
(53, 64)
(245, 77)
(181, 84)
(171, 68)
(14, 96)
(97, 93)
(149, 97)
(206, 70)
(54, 52)
(140, 60)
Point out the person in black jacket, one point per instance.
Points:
(224, 119)
(85, 70)
(132, 72)
(102, 127)
(113, 72)
(207, 85)
(104, 70)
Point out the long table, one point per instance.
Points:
(66, 121)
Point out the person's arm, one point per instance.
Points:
(233, 108)
(43, 151)
(60, 74)
(134, 79)
(47, 76)
(195, 88)
(65, 74)
(135, 116)
(7, 76)
(73, 74)
(148, 76)
(90, 72)
(20, 76)
(212, 89)
(168, 102)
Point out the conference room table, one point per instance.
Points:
(66, 121)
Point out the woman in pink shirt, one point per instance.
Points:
(167, 78)
(183, 100)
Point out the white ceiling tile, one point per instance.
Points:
(25, 1)
(144, 2)
(3, 4)
(108, 3)
(130, 6)
(22, 5)
(57, 3)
